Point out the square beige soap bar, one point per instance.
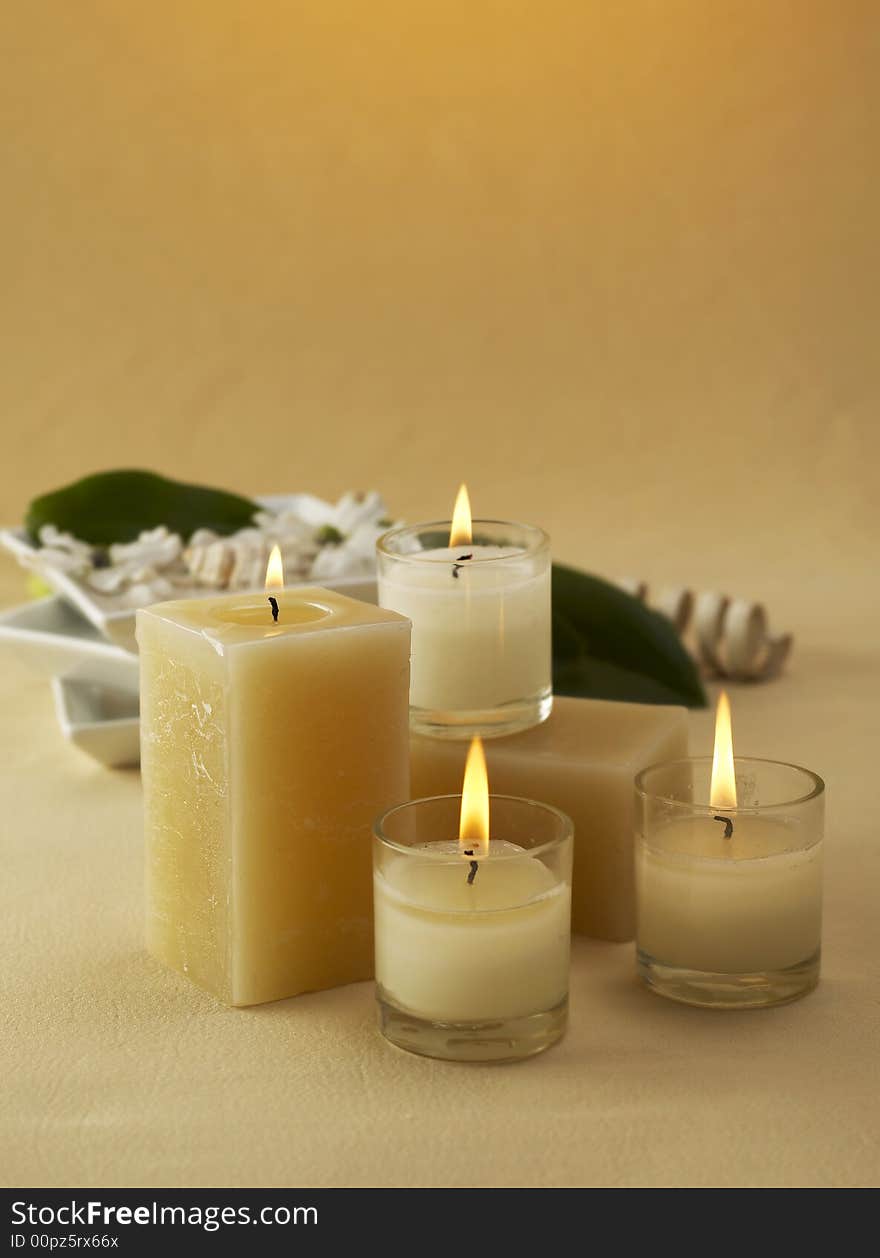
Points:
(267, 750)
(582, 759)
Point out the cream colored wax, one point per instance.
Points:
(582, 760)
(744, 905)
(267, 751)
(448, 951)
(481, 638)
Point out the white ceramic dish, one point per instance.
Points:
(96, 700)
(116, 624)
(100, 720)
(54, 639)
(112, 623)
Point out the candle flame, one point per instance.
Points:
(473, 831)
(722, 792)
(461, 534)
(274, 570)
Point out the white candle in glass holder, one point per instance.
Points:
(729, 882)
(453, 952)
(473, 935)
(480, 611)
(710, 904)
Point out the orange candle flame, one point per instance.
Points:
(274, 570)
(461, 533)
(473, 830)
(722, 792)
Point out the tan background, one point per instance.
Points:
(616, 264)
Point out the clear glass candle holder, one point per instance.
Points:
(729, 901)
(481, 635)
(472, 956)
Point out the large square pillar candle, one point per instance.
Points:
(582, 760)
(267, 751)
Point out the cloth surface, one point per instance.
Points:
(118, 1072)
(615, 265)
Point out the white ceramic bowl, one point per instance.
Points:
(54, 639)
(115, 624)
(100, 720)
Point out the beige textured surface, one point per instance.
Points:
(614, 263)
(118, 1072)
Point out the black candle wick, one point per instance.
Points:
(475, 865)
(728, 825)
(273, 602)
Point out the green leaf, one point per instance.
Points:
(608, 645)
(597, 679)
(329, 535)
(117, 506)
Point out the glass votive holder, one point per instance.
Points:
(472, 956)
(481, 634)
(729, 902)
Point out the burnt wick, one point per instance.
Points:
(728, 825)
(458, 564)
(273, 603)
(475, 865)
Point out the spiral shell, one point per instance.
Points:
(239, 562)
(732, 636)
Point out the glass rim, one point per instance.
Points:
(817, 788)
(566, 833)
(538, 540)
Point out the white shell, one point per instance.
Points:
(678, 604)
(63, 552)
(155, 548)
(158, 565)
(733, 639)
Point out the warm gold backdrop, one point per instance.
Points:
(615, 263)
